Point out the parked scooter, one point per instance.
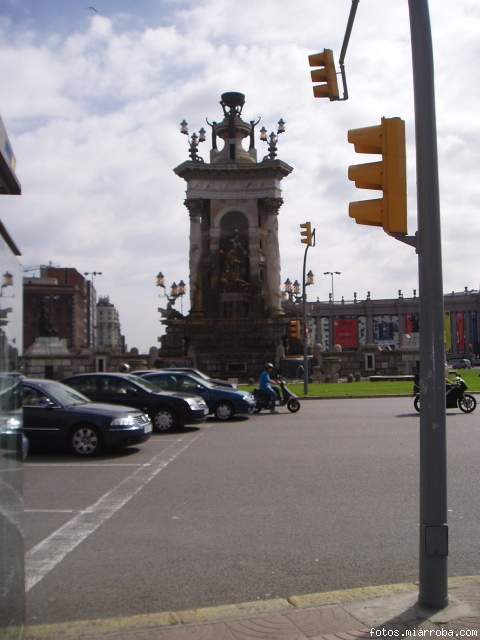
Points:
(456, 396)
(285, 398)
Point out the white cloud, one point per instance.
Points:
(93, 118)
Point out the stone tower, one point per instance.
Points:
(236, 320)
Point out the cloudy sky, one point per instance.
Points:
(92, 99)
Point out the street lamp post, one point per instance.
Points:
(292, 291)
(193, 141)
(331, 274)
(176, 291)
(306, 281)
(272, 139)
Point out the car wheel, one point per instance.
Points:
(223, 411)
(85, 440)
(416, 403)
(164, 420)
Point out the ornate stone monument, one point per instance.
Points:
(236, 321)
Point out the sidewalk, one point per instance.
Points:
(369, 612)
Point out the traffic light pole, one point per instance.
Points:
(305, 332)
(433, 588)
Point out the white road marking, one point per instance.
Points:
(74, 465)
(46, 555)
(51, 510)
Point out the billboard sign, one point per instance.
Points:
(346, 333)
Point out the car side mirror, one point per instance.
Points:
(46, 403)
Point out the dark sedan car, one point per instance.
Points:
(167, 410)
(194, 372)
(54, 414)
(203, 376)
(12, 438)
(224, 403)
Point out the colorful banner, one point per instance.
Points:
(385, 330)
(362, 330)
(447, 323)
(324, 333)
(411, 323)
(460, 326)
(474, 333)
(346, 333)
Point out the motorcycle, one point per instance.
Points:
(456, 396)
(284, 398)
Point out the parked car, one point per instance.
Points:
(222, 402)
(194, 372)
(460, 363)
(55, 414)
(12, 437)
(167, 410)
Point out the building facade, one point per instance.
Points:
(382, 336)
(108, 335)
(57, 304)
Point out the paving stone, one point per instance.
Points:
(273, 627)
(215, 631)
(328, 619)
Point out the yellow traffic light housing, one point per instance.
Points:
(326, 75)
(389, 175)
(307, 235)
(295, 329)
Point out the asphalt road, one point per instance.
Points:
(252, 509)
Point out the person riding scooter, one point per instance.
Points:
(266, 381)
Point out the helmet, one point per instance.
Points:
(269, 365)
(124, 368)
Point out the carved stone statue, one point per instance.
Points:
(46, 327)
(234, 261)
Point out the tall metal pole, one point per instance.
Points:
(305, 332)
(433, 590)
(331, 274)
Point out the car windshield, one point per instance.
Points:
(199, 374)
(142, 382)
(64, 395)
(200, 381)
(193, 372)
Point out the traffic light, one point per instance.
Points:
(389, 175)
(307, 235)
(326, 75)
(295, 329)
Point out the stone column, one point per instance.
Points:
(271, 207)
(195, 208)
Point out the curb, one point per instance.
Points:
(77, 629)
